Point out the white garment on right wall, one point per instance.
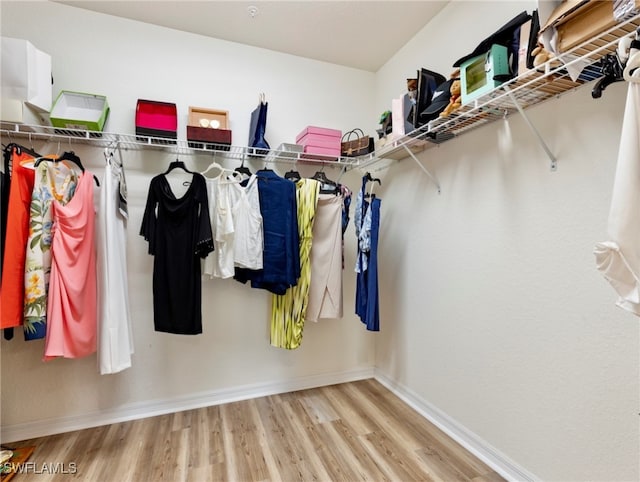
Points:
(619, 258)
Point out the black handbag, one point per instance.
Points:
(359, 146)
(428, 82)
(258, 127)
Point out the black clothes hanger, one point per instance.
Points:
(67, 156)
(327, 186)
(612, 70)
(292, 175)
(177, 164)
(372, 179)
(368, 177)
(20, 149)
(242, 169)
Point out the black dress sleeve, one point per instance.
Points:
(204, 236)
(149, 219)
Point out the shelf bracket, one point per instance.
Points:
(426, 171)
(552, 158)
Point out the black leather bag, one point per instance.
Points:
(428, 81)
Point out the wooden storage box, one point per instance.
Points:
(208, 138)
(208, 129)
(208, 118)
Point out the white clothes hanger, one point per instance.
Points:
(215, 165)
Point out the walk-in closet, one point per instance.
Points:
(471, 325)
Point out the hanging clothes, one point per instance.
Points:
(325, 291)
(179, 235)
(288, 311)
(281, 255)
(115, 335)
(17, 219)
(52, 181)
(248, 243)
(346, 203)
(367, 222)
(618, 259)
(5, 189)
(220, 263)
(72, 300)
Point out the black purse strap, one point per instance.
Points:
(357, 132)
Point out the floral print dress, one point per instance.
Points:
(52, 181)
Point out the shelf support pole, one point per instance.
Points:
(426, 171)
(552, 158)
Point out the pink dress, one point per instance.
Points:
(72, 305)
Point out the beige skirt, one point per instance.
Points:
(325, 289)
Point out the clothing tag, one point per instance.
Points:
(122, 198)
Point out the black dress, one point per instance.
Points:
(179, 234)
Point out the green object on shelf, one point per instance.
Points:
(384, 116)
(77, 110)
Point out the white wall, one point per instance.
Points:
(126, 60)
(492, 308)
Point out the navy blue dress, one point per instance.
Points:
(281, 255)
(367, 300)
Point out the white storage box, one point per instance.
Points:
(26, 74)
(14, 111)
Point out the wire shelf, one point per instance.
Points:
(529, 89)
(9, 131)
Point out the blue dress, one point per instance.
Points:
(367, 222)
(281, 254)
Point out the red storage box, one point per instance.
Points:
(156, 119)
(206, 137)
(320, 141)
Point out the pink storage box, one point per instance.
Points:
(322, 150)
(321, 153)
(319, 131)
(319, 141)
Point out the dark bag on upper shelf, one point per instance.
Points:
(359, 146)
(508, 36)
(428, 81)
(258, 127)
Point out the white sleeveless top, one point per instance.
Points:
(220, 262)
(248, 239)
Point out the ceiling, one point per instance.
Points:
(358, 34)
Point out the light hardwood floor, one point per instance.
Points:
(347, 432)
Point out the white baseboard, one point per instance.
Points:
(134, 411)
(491, 456)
